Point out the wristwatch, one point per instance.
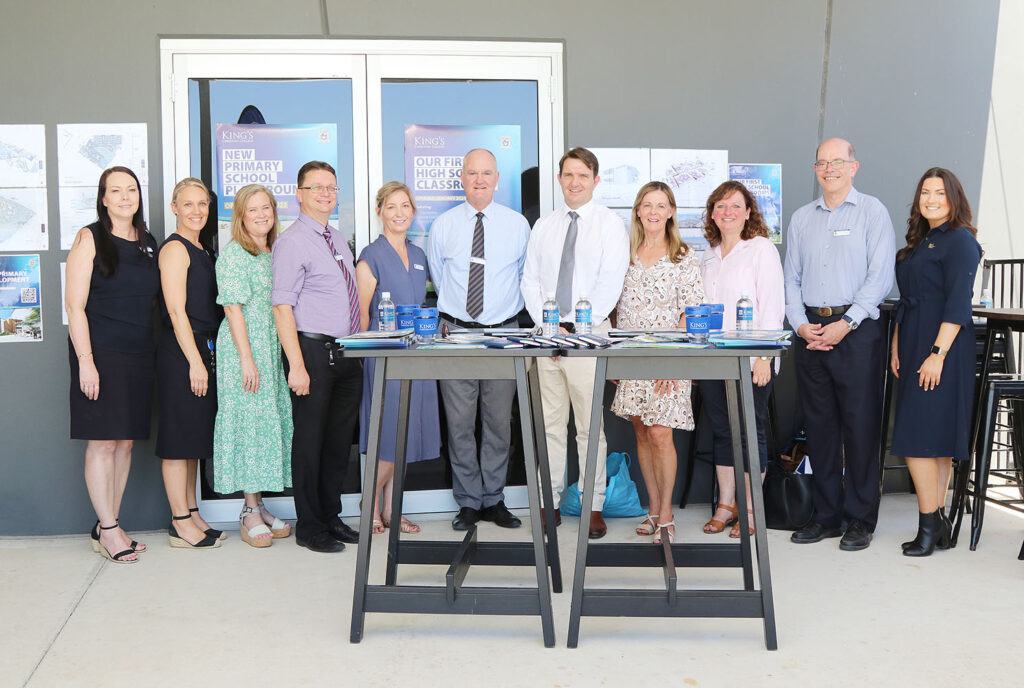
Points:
(939, 352)
(851, 323)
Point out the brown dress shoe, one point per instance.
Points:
(597, 526)
(558, 516)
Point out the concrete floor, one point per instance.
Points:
(239, 616)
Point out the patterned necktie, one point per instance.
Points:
(475, 288)
(564, 291)
(350, 284)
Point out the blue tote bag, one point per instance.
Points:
(621, 500)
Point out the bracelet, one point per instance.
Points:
(84, 355)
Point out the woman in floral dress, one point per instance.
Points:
(253, 434)
(662, 280)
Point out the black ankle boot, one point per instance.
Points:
(946, 539)
(929, 530)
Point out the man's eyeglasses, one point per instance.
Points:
(836, 164)
(316, 188)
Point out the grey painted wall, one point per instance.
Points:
(910, 88)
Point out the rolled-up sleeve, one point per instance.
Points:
(289, 269)
(881, 250)
(958, 271)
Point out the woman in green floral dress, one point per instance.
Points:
(253, 434)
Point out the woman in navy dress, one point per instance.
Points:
(185, 369)
(112, 283)
(934, 340)
(392, 264)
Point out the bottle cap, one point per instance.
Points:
(386, 295)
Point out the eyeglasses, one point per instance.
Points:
(316, 188)
(836, 164)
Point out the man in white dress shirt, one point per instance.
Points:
(579, 250)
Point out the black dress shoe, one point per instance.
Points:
(466, 517)
(321, 542)
(500, 516)
(855, 538)
(814, 532)
(342, 533)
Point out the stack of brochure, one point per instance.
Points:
(752, 339)
(398, 339)
(658, 341)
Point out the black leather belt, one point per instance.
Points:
(826, 311)
(317, 336)
(469, 324)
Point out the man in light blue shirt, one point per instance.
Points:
(840, 262)
(476, 252)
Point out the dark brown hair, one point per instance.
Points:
(753, 227)
(315, 165)
(106, 253)
(960, 214)
(581, 154)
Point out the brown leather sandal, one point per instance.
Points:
(715, 526)
(735, 532)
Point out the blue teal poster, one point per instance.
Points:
(271, 155)
(20, 299)
(433, 164)
(765, 182)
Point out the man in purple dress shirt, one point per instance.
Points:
(315, 301)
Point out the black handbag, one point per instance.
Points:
(788, 498)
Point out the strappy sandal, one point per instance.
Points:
(118, 558)
(251, 536)
(715, 526)
(95, 535)
(211, 532)
(280, 529)
(406, 525)
(642, 529)
(208, 542)
(377, 527)
(671, 533)
(735, 532)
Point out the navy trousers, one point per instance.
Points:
(841, 393)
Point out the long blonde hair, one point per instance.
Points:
(677, 248)
(238, 232)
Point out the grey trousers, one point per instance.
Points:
(478, 484)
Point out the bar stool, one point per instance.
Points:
(1002, 387)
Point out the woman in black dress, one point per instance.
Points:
(111, 285)
(186, 379)
(934, 339)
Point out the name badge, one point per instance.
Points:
(840, 232)
(417, 266)
(338, 256)
(478, 261)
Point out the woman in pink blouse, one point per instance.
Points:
(741, 259)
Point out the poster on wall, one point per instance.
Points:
(23, 214)
(20, 299)
(622, 171)
(271, 155)
(692, 174)
(83, 152)
(433, 164)
(765, 182)
(691, 228)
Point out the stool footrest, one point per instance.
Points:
(689, 603)
(684, 554)
(422, 599)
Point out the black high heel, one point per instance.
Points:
(95, 535)
(208, 542)
(118, 558)
(212, 532)
(930, 531)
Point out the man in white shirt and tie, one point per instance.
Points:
(579, 250)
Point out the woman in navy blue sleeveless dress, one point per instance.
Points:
(392, 264)
(111, 286)
(186, 377)
(933, 349)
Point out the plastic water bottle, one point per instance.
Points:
(584, 324)
(986, 298)
(549, 328)
(386, 320)
(745, 312)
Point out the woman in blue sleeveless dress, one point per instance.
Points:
(111, 286)
(933, 348)
(185, 364)
(392, 264)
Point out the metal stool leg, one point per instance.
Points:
(982, 463)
